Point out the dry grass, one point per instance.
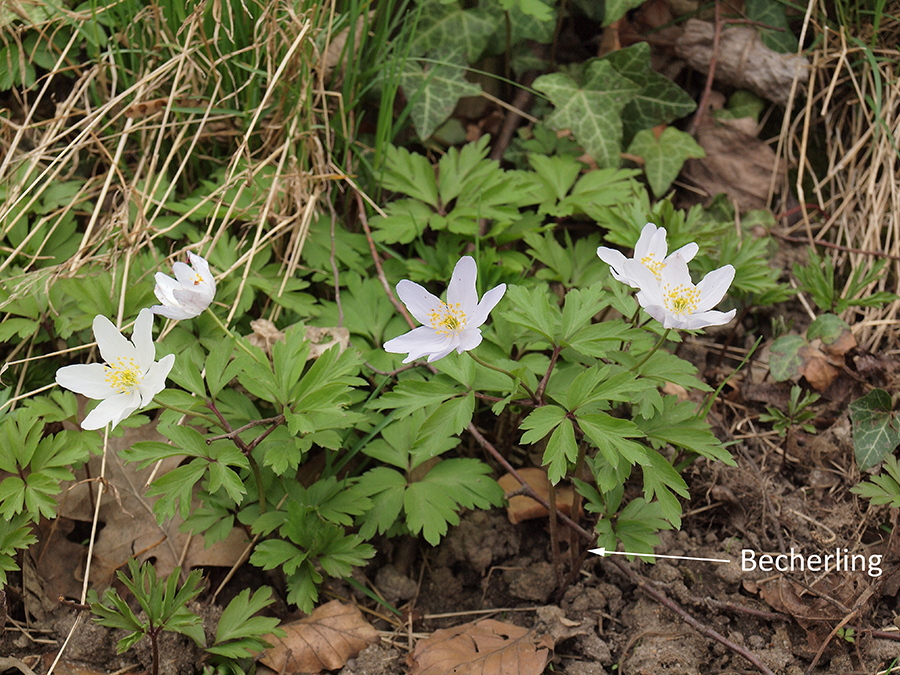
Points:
(852, 172)
(140, 127)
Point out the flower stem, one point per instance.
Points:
(659, 343)
(185, 411)
(515, 378)
(232, 334)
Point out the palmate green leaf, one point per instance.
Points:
(410, 396)
(175, 489)
(662, 480)
(658, 99)
(883, 488)
(446, 27)
(386, 488)
(876, 430)
(561, 451)
(403, 222)
(664, 156)
(612, 436)
(680, 425)
(591, 110)
(638, 523)
(531, 308)
(540, 422)
(433, 89)
(15, 535)
(239, 633)
(448, 419)
(432, 503)
(411, 174)
(553, 177)
(273, 553)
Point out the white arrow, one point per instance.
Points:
(603, 552)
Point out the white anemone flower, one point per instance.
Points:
(675, 302)
(650, 251)
(189, 293)
(448, 325)
(129, 379)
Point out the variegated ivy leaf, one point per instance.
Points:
(664, 156)
(616, 9)
(591, 110)
(658, 99)
(433, 88)
(446, 28)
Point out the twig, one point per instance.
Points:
(399, 306)
(711, 75)
(278, 419)
(647, 587)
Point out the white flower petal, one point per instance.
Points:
(469, 339)
(461, 289)
(165, 288)
(488, 301)
(142, 338)
(688, 251)
(648, 242)
(112, 410)
(155, 379)
(191, 302)
(419, 342)
(183, 273)
(172, 312)
(418, 300)
(111, 342)
(201, 267)
(676, 272)
(714, 286)
(710, 318)
(87, 379)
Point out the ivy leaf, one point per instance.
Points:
(433, 89)
(876, 431)
(664, 156)
(447, 27)
(616, 9)
(658, 99)
(777, 35)
(591, 110)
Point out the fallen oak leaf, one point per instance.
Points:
(486, 647)
(325, 640)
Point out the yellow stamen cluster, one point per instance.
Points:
(197, 279)
(123, 375)
(654, 265)
(681, 299)
(447, 319)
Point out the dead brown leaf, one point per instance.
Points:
(742, 60)
(817, 367)
(525, 508)
(487, 647)
(130, 529)
(265, 334)
(324, 640)
(736, 163)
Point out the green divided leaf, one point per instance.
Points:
(876, 431)
(592, 109)
(664, 156)
(239, 633)
(432, 503)
(883, 488)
